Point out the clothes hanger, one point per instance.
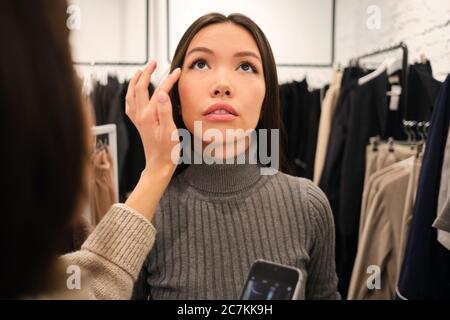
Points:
(425, 129)
(405, 130)
(375, 142)
(420, 130)
(423, 58)
(390, 66)
(391, 143)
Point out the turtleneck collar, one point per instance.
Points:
(222, 178)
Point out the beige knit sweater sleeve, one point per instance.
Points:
(110, 260)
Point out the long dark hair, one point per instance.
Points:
(43, 141)
(271, 115)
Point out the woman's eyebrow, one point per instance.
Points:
(247, 54)
(237, 54)
(200, 49)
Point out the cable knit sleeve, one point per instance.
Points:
(111, 258)
(322, 281)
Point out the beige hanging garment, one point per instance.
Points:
(326, 120)
(380, 238)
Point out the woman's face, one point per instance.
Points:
(222, 65)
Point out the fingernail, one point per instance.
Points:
(162, 97)
(176, 70)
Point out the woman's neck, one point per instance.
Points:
(222, 178)
(223, 175)
(240, 152)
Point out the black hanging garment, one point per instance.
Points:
(425, 272)
(300, 110)
(422, 92)
(331, 174)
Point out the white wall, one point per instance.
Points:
(288, 37)
(287, 25)
(424, 25)
(109, 31)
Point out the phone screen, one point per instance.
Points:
(268, 281)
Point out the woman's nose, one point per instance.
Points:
(222, 86)
(222, 90)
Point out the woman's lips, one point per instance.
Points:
(220, 112)
(220, 116)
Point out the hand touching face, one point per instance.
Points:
(153, 118)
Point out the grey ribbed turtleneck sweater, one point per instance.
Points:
(214, 221)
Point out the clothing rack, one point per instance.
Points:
(405, 54)
(401, 45)
(111, 131)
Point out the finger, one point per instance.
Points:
(164, 111)
(151, 116)
(167, 85)
(141, 91)
(132, 84)
(129, 98)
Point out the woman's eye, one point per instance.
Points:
(247, 67)
(199, 64)
(202, 65)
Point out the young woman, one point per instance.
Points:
(215, 220)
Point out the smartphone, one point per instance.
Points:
(272, 281)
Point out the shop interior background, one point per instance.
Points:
(309, 38)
